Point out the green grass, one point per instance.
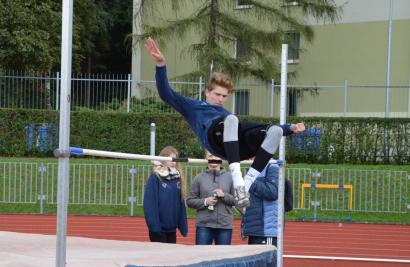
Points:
(90, 160)
(405, 168)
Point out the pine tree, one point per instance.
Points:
(254, 29)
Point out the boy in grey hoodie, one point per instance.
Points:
(211, 194)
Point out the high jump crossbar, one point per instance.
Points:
(77, 151)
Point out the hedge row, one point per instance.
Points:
(326, 140)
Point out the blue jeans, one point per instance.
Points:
(206, 235)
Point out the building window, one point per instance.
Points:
(293, 41)
(240, 4)
(241, 51)
(292, 97)
(242, 102)
(291, 2)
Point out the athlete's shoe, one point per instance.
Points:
(242, 198)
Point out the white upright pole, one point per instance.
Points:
(63, 162)
(281, 210)
(152, 130)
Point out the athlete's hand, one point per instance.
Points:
(298, 127)
(154, 52)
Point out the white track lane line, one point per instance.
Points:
(344, 258)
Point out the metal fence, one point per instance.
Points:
(123, 185)
(351, 190)
(115, 92)
(99, 92)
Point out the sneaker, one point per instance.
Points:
(241, 197)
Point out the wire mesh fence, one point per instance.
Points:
(119, 93)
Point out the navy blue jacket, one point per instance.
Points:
(199, 114)
(261, 217)
(164, 210)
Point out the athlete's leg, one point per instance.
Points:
(264, 154)
(231, 147)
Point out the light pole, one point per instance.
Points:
(389, 59)
(386, 115)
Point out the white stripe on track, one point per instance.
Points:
(344, 258)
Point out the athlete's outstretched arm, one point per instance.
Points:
(154, 52)
(166, 93)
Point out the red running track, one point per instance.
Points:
(351, 240)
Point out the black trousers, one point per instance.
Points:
(250, 138)
(169, 237)
(261, 240)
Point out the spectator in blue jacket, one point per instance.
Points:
(261, 217)
(164, 204)
(219, 131)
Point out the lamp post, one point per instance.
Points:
(389, 59)
(386, 115)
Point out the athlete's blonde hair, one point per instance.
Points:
(165, 152)
(221, 79)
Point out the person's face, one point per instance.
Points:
(170, 164)
(217, 96)
(213, 166)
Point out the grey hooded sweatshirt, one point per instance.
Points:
(201, 188)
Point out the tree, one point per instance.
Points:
(30, 34)
(110, 53)
(258, 30)
(30, 40)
